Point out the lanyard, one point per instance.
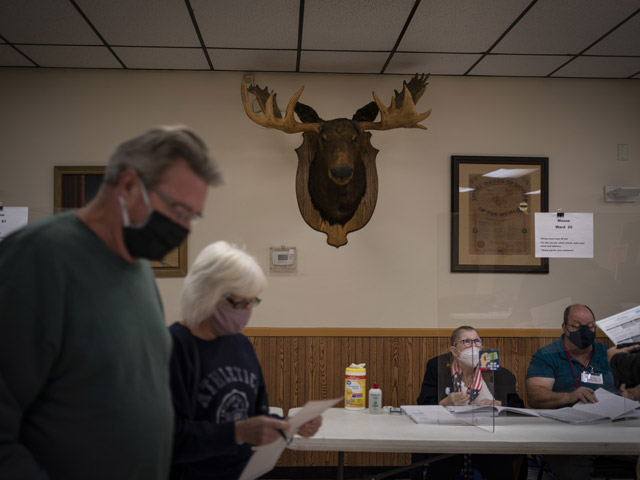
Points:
(577, 378)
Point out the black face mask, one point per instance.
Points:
(583, 337)
(155, 237)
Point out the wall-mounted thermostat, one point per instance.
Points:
(282, 259)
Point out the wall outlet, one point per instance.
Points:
(623, 152)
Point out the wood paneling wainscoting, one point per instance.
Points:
(302, 364)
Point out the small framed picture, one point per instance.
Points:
(75, 186)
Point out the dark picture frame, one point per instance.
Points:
(75, 186)
(493, 202)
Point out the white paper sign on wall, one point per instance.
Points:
(12, 218)
(568, 235)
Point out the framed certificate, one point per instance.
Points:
(493, 201)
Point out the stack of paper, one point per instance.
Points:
(608, 407)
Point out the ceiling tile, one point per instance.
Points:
(353, 25)
(518, 65)
(564, 27)
(459, 26)
(600, 67)
(271, 24)
(342, 62)
(10, 58)
(163, 58)
(52, 21)
(623, 41)
(157, 23)
(433, 63)
(71, 56)
(253, 60)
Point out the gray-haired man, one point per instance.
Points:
(84, 352)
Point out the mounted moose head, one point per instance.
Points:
(336, 181)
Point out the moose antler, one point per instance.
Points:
(393, 117)
(272, 118)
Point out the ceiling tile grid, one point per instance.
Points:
(270, 24)
(141, 23)
(71, 56)
(342, 62)
(254, 60)
(564, 27)
(624, 41)
(162, 58)
(459, 26)
(600, 67)
(50, 22)
(444, 64)
(363, 25)
(9, 57)
(519, 65)
(528, 38)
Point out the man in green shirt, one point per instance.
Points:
(84, 351)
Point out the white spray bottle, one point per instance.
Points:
(375, 400)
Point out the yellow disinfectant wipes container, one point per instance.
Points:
(355, 386)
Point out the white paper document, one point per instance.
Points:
(569, 235)
(265, 457)
(608, 407)
(11, 219)
(623, 327)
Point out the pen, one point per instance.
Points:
(287, 440)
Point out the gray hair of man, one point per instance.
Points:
(151, 153)
(220, 269)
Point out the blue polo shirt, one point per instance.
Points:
(551, 361)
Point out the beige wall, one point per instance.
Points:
(394, 272)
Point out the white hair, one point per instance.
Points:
(220, 269)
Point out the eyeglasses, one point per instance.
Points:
(242, 304)
(179, 210)
(575, 328)
(467, 342)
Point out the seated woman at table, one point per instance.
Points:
(219, 394)
(455, 379)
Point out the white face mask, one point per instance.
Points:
(469, 357)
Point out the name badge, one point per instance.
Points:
(591, 377)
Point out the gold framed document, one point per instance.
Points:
(493, 202)
(75, 186)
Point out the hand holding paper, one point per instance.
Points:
(306, 421)
(259, 430)
(310, 428)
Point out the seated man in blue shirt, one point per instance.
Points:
(571, 368)
(567, 371)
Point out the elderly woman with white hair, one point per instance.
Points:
(219, 393)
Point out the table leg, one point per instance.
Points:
(340, 465)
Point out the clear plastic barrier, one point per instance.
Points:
(517, 313)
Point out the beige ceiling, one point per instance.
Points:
(530, 38)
